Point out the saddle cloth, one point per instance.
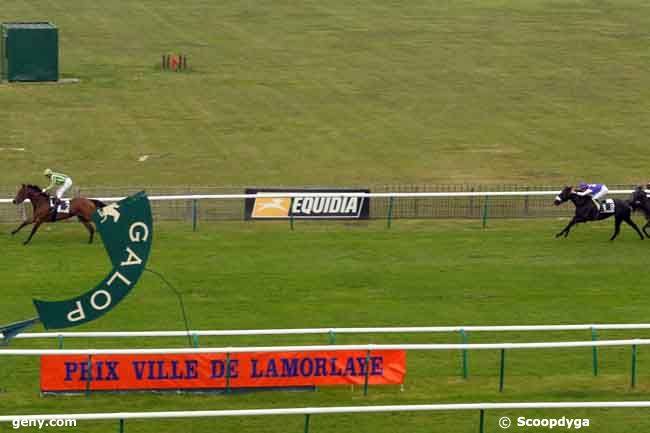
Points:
(64, 206)
(608, 206)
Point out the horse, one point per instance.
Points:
(640, 201)
(586, 211)
(80, 207)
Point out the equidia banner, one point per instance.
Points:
(127, 231)
(70, 373)
(330, 207)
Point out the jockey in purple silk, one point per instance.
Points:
(596, 191)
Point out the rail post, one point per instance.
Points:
(594, 351)
(481, 427)
(227, 372)
(195, 339)
(486, 208)
(633, 378)
(291, 222)
(306, 423)
(526, 204)
(471, 203)
(389, 217)
(502, 369)
(463, 340)
(367, 375)
(59, 339)
(195, 208)
(332, 337)
(88, 376)
(121, 425)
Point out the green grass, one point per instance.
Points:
(343, 93)
(257, 275)
(337, 92)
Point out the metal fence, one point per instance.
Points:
(402, 207)
(332, 333)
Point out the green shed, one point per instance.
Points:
(29, 52)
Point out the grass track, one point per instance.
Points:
(337, 93)
(342, 93)
(237, 275)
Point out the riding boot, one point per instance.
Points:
(597, 203)
(55, 207)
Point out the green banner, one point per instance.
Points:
(127, 230)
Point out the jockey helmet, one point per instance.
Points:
(47, 172)
(583, 186)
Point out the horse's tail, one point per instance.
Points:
(98, 203)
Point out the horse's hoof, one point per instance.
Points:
(25, 243)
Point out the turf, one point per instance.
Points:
(336, 93)
(252, 275)
(343, 93)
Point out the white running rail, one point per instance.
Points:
(366, 347)
(330, 410)
(336, 331)
(349, 194)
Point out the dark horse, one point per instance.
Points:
(586, 211)
(640, 201)
(80, 207)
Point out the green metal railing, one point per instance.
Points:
(388, 208)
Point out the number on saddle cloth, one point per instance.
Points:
(64, 206)
(607, 206)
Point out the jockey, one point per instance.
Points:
(59, 181)
(595, 190)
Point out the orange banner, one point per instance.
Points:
(210, 371)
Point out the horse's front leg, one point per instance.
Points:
(566, 230)
(37, 224)
(25, 223)
(645, 227)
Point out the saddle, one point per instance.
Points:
(58, 206)
(607, 206)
